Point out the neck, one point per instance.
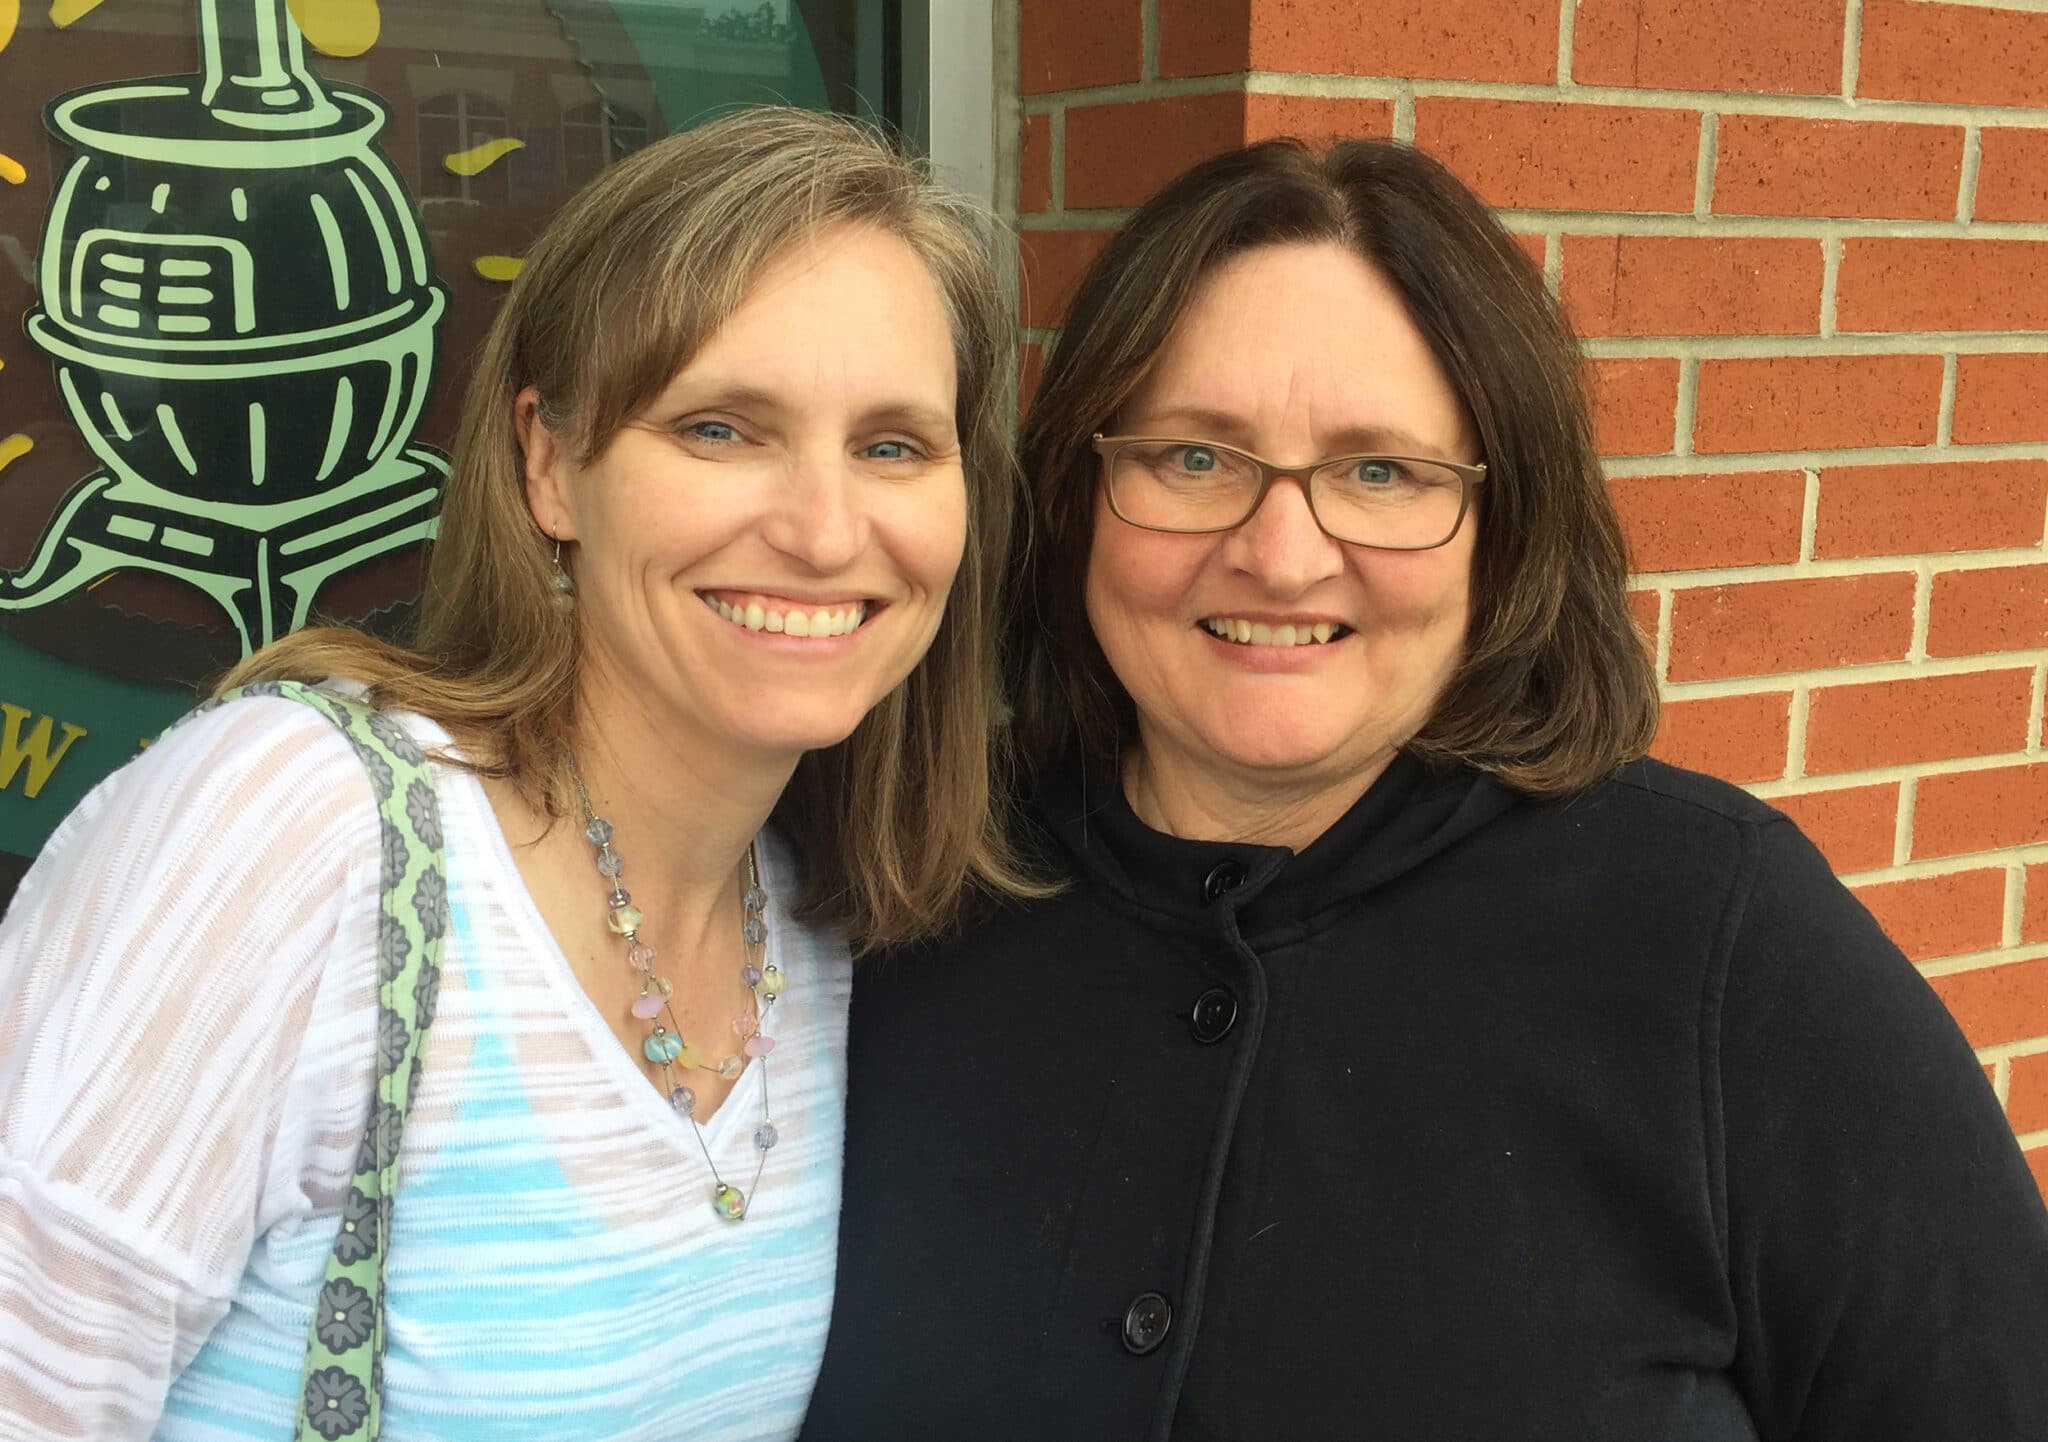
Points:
(1199, 801)
(684, 808)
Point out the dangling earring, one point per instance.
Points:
(562, 581)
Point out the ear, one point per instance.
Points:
(547, 467)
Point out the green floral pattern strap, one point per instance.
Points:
(342, 1389)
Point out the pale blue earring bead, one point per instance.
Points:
(562, 581)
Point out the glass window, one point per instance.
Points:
(244, 247)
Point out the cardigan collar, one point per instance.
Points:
(1408, 815)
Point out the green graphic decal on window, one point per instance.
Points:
(250, 245)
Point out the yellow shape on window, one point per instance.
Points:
(13, 448)
(68, 12)
(10, 16)
(479, 158)
(11, 170)
(338, 27)
(499, 267)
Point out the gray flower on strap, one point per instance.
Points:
(387, 1116)
(393, 947)
(421, 811)
(344, 1315)
(393, 1037)
(336, 1403)
(394, 848)
(382, 782)
(396, 738)
(357, 1239)
(430, 899)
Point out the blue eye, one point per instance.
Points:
(717, 432)
(1197, 458)
(1378, 473)
(891, 451)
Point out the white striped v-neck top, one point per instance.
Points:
(187, 1012)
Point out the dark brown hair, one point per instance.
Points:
(905, 819)
(1556, 687)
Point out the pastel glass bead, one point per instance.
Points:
(760, 1045)
(744, 1026)
(663, 1047)
(683, 1100)
(757, 899)
(640, 955)
(765, 1136)
(750, 976)
(661, 985)
(731, 1067)
(598, 830)
(648, 1007)
(754, 931)
(729, 1201)
(610, 863)
(625, 920)
(772, 981)
(690, 1055)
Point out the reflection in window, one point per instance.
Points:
(456, 121)
(595, 135)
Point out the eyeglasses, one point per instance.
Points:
(1392, 503)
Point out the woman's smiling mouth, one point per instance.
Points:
(781, 616)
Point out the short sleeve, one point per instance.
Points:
(1888, 1249)
(161, 1068)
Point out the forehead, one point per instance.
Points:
(1301, 344)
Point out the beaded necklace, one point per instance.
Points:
(665, 1046)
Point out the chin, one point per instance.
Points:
(1280, 751)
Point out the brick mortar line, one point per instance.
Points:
(1876, 673)
(1148, 44)
(1730, 462)
(1830, 279)
(2033, 1139)
(1567, 31)
(2001, 1081)
(1982, 961)
(2013, 1050)
(1404, 117)
(1923, 613)
(1943, 562)
(1685, 223)
(1912, 771)
(2035, 722)
(1902, 828)
(1966, 186)
(1129, 91)
(1795, 733)
(1809, 514)
(1685, 414)
(1777, 347)
(1945, 408)
(1852, 48)
(1553, 260)
(1664, 605)
(1705, 165)
(2015, 905)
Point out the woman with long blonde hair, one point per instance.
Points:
(709, 619)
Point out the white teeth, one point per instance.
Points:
(814, 623)
(1259, 633)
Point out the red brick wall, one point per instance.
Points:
(1807, 243)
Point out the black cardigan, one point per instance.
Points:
(1482, 1118)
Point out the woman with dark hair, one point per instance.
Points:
(1406, 1056)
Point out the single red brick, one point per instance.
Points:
(1737, 738)
(1691, 285)
(1034, 165)
(1932, 916)
(1856, 827)
(1784, 165)
(2034, 920)
(1204, 37)
(1768, 627)
(1534, 244)
(2000, 608)
(1690, 523)
(1960, 54)
(1925, 718)
(1319, 120)
(1414, 39)
(1784, 46)
(1819, 402)
(1996, 1005)
(1989, 810)
(1998, 398)
(1925, 283)
(1118, 155)
(2026, 1103)
(1052, 263)
(1645, 607)
(1634, 402)
(1072, 44)
(1545, 155)
(2012, 175)
(1899, 510)
(1030, 367)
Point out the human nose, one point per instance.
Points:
(817, 517)
(1281, 545)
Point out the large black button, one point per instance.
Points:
(1215, 1014)
(1146, 1322)
(1223, 876)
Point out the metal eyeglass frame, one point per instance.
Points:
(1107, 446)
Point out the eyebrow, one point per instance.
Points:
(912, 415)
(1354, 440)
